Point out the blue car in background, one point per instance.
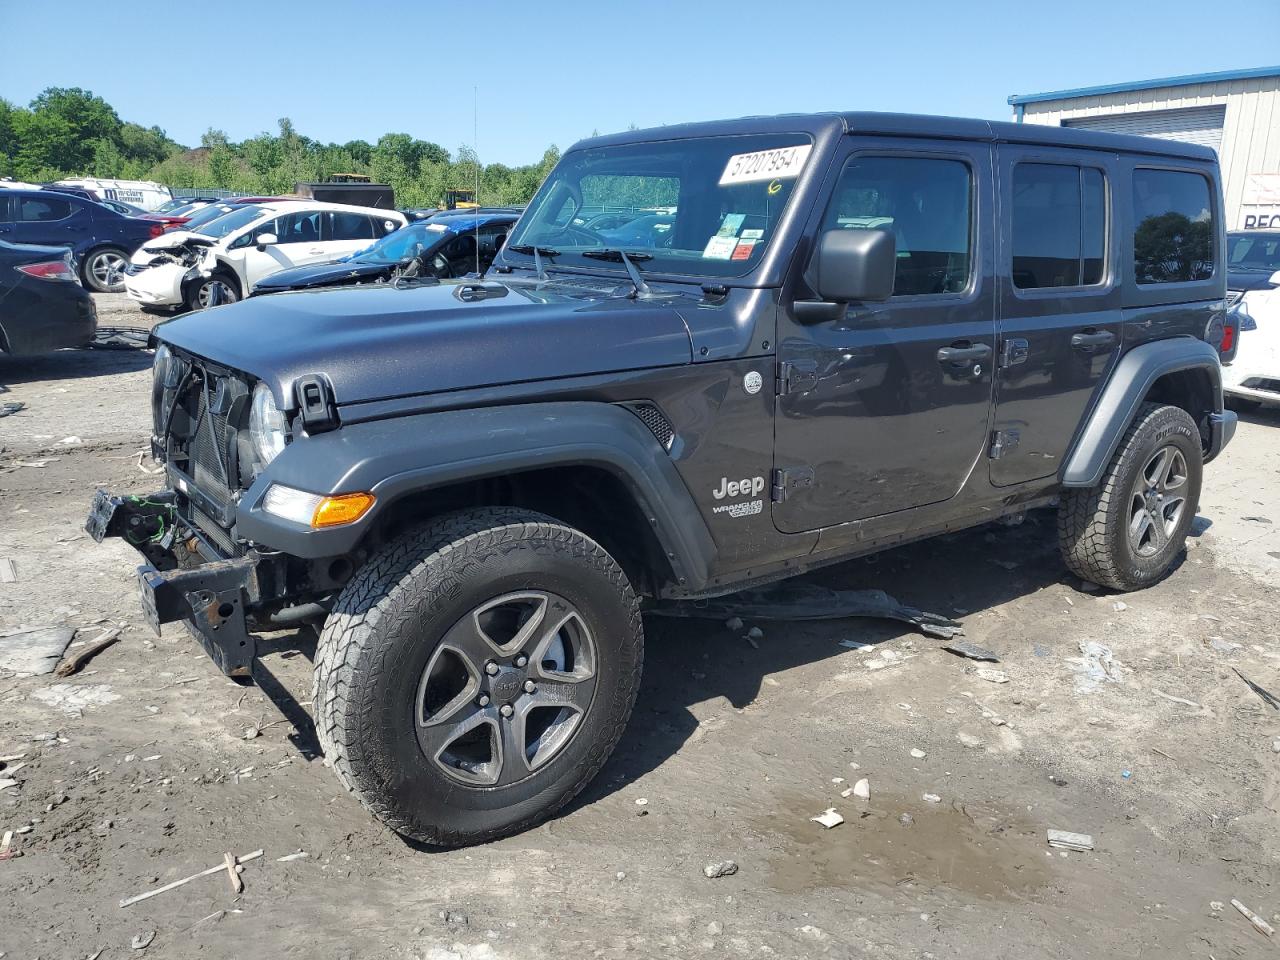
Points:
(101, 240)
(442, 246)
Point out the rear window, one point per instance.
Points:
(43, 209)
(1059, 225)
(1174, 226)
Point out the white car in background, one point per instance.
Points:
(146, 194)
(220, 261)
(1253, 283)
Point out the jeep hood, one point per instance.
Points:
(378, 342)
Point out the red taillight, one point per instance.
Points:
(52, 270)
(1228, 338)
(156, 229)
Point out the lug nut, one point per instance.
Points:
(491, 668)
(521, 660)
(484, 700)
(529, 687)
(506, 710)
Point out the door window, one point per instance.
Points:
(350, 226)
(1174, 226)
(44, 209)
(928, 206)
(299, 227)
(1059, 227)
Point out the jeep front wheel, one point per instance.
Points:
(476, 673)
(1126, 532)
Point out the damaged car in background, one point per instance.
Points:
(223, 259)
(444, 248)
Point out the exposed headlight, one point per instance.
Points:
(267, 428)
(315, 510)
(160, 365)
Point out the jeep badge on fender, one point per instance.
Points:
(504, 474)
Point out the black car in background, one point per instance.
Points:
(101, 239)
(42, 305)
(444, 247)
(1252, 258)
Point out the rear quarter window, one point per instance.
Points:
(1174, 226)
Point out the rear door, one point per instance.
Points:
(1060, 297)
(49, 219)
(887, 408)
(344, 233)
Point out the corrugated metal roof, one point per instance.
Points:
(1188, 80)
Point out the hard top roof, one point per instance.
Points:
(912, 125)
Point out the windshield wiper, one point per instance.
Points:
(628, 261)
(538, 253)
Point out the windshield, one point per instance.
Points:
(229, 222)
(1257, 252)
(205, 214)
(407, 242)
(704, 207)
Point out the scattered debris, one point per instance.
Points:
(7, 850)
(1065, 840)
(968, 739)
(802, 601)
(1270, 699)
(73, 698)
(725, 868)
(965, 648)
(917, 753)
(7, 782)
(1256, 519)
(907, 820)
(755, 633)
(994, 676)
(1119, 606)
(71, 441)
(143, 940)
(1169, 696)
(1095, 666)
(931, 798)
(847, 792)
(34, 652)
(8, 573)
(1224, 646)
(1217, 906)
(1261, 925)
(129, 901)
(829, 818)
(862, 789)
(11, 407)
(854, 644)
(734, 623)
(73, 663)
(233, 875)
(290, 857)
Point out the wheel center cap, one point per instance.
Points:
(506, 683)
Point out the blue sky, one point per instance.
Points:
(552, 71)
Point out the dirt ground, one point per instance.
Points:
(1162, 753)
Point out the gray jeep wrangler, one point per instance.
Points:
(710, 356)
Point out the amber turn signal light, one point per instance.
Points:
(344, 508)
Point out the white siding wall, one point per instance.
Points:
(1250, 136)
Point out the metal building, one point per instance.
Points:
(1237, 112)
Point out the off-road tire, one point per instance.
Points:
(89, 269)
(386, 624)
(1093, 523)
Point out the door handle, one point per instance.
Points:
(316, 250)
(957, 353)
(1092, 340)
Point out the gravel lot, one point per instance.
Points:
(1166, 758)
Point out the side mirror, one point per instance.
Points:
(265, 240)
(1275, 279)
(850, 265)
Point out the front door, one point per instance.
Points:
(887, 408)
(51, 220)
(1059, 304)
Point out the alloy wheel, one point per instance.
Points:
(108, 268)
(506, 689)
(1157, 501)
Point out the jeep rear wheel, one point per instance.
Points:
(1126, 532)
(476, 673)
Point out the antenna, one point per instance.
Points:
(475, 144)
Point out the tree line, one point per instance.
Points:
(70, 132)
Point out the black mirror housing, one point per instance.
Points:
(856, 265)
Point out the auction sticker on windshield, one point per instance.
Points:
(778, 164)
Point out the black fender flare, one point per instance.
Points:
(1128, 384)
(402, 456)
